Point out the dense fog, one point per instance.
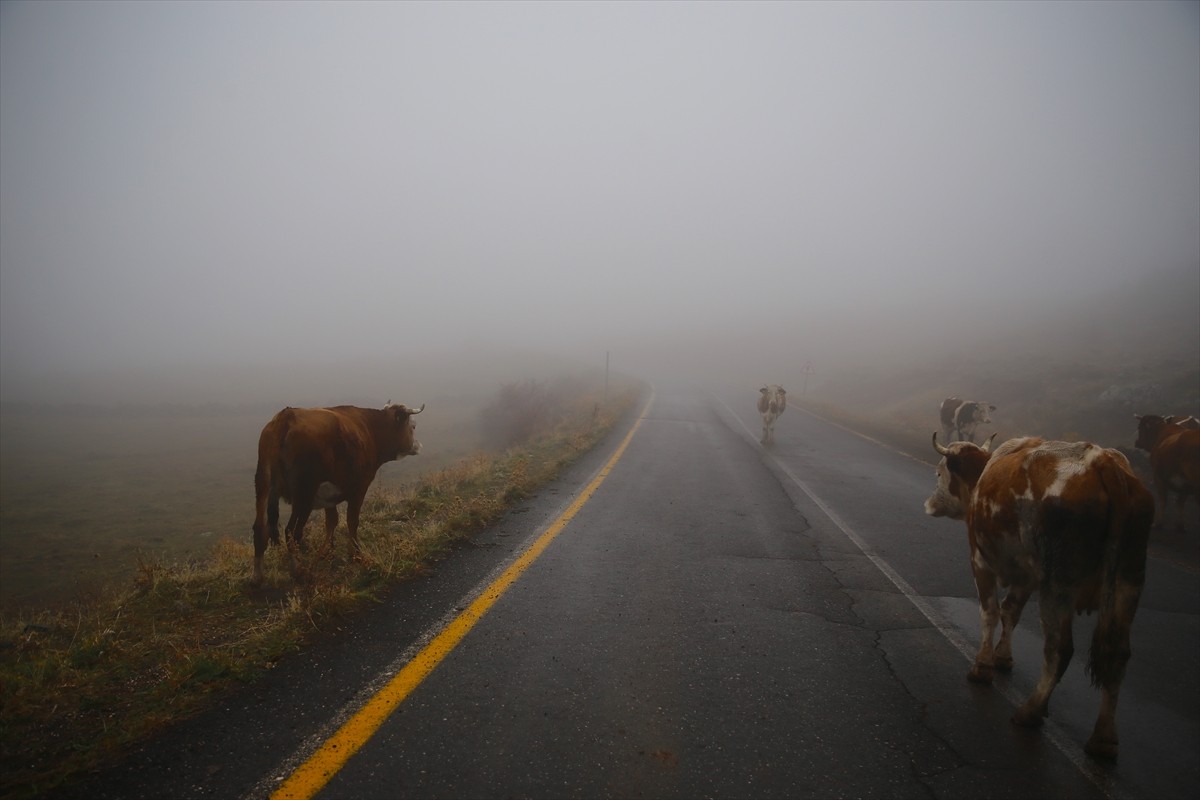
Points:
(325, 202)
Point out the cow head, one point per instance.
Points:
(1150, 430)
(975, 413)
(406, 438)
(957, 473)
(772, 399)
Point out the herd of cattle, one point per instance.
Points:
(1068, 520)
(1071, 521)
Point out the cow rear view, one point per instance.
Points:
(319, 457)
(1070, 521)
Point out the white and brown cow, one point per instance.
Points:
(1070, 521)
(772, 401)
(961, 417)
(319, 457)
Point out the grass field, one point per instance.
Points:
(86, 492)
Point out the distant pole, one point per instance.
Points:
(606, 377)
(806, 371)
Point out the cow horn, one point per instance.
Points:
(987, 446)
(943, 450)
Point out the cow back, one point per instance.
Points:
(1053, 513)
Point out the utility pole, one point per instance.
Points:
(806, 372)
(606, 378)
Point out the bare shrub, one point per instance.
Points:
(519, 412)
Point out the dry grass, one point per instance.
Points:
(79, 684)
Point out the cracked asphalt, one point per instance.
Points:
(702, 628)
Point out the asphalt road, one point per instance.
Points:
(718, 619)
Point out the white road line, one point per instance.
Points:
(1074, 753)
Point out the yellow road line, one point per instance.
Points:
(311, 776)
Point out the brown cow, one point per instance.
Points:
(319, 457)
(1070, 521)
(1174, 460)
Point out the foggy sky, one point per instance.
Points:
(245, 183)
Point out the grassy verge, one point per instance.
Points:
(79, 684)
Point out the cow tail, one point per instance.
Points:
(1124, 571)
(270, 445)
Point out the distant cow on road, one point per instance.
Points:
(961, 417)
(319, 457)
(1070, 521)
(1174, 460)
(772, 401)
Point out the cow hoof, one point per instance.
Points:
(1103, 750)
(1027, 719)
(1004, 664)
(980, 673)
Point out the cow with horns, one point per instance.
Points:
(1070, 521)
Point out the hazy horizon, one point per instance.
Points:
(256, 190)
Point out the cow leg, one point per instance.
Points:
(1057, 648)
(1010, 615)
(273, 517)
(353, 506)
(1106, 664)
(989, 614)
(1183, 496)
(1160, 490)
(294, 532)
(331, 521)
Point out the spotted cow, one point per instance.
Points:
(1070, 521)
(772, 401)
(961, 417)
